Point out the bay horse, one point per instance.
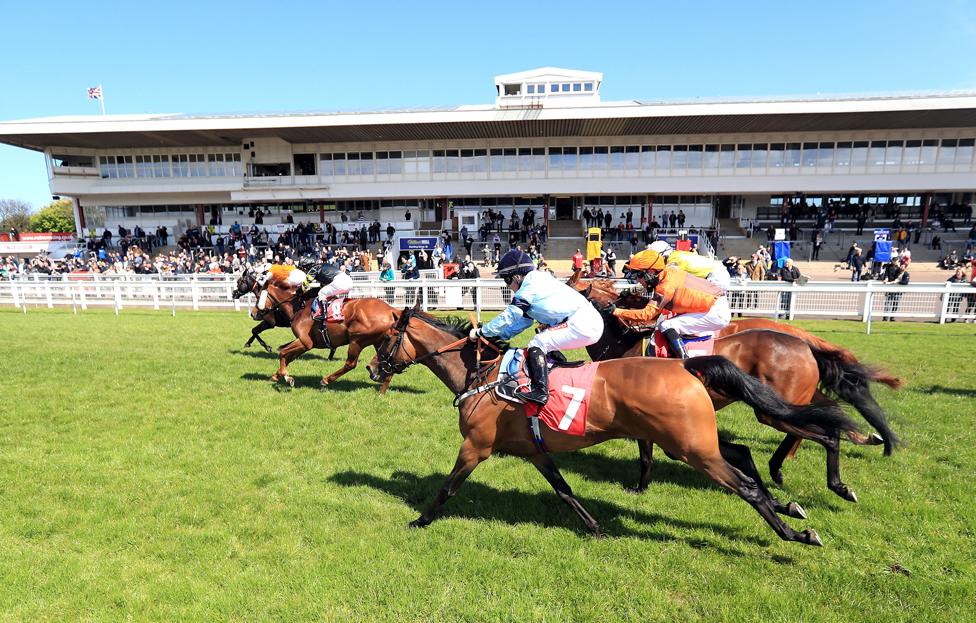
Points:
(247, 283)
(366, 321)
(662, 401)
(793, 367)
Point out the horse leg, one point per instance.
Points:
(385, 385)
(352, 358)
(332, 354)
(752, 491)
(646, 451)
(740, 457)
(787, 447)
(286, 355)
(543, 462)
(468, 458)
(262, 343)
(834, 483)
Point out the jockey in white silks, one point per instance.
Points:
(572, 321)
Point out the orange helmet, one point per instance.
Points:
(646, 260)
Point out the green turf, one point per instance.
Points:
(149, 471)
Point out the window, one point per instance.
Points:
(570, 158)
(632, 157)
(601, 158)
(726, 156)
(304, 164)
(617, 158)
(586, 158)
(964, 152)
(777, 155)
(72, 161)
(513, 89)
(577, 87)
(876, 154)
(842, 154)
(144, 166)
(759, 154)
(792, 155)
(947, 155)
(530, 90)
(647, 157)
(662, 158)
(694, 157)
(894, 153)
(743, 156)
(825, 156)
(710, 160)
(679, 157)
(416, 162)
(810, 154)
(564, 87)
(588, 86)
(929, 149)
(912, 149)
(859, 157)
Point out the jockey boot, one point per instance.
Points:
(556, 357)
(535, 362)
(675, 345)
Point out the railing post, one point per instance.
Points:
(793, 297)
(945, 303)
(195, 294)
(74, 307)
(47, 294)
(423, 291)
(156, 286)
(13, 293)
(869, 306)
(82, 297)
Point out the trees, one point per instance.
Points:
(57, 216)
(14, 213)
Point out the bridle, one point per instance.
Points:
(388, 367)
(277, 304)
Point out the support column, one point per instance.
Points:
(321, 213)
(79, 217)
(926, 202)
(201, 217)
(545, 212)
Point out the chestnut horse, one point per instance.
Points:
(366, 321)
(789, 364)
(662, 401)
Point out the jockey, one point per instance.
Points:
(335, 282)
(572, 321)
(699, 305)
(694, 264)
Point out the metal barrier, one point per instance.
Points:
(865, 301)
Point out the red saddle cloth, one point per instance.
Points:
(334, 311)
(569, 399)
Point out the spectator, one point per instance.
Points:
(790, 274)
(611, 262)
(894, 274)
(857, 265)
(577, 261)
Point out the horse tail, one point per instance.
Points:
(851, 382)
(847, 358)
(721, 375)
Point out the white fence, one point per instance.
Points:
(865, 301)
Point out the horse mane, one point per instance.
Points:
(458, 327)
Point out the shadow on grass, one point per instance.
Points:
(477, 501)
(305, 381)
(259, 353)
(950, 391)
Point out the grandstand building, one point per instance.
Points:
(547, 143)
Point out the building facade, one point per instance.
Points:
(548, 143)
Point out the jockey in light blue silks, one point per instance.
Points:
(573, 322)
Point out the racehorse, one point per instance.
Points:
(793, 367)
(247, 283)
(366, 320)
(662, 401)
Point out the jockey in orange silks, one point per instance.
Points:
(700, 307)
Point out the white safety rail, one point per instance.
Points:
(865, 301)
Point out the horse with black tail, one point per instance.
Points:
(662, 401)
(782, 361)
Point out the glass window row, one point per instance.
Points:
(177, 165)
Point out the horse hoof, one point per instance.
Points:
(274, 377)
(846, 492)
(247, 345)
(268, 350)
(812, 538)
(635, 490)
(777, 476)
(290, 380)
(595, 532)
(417, 523)
(324, 382)
(796, 511)
(874, 439)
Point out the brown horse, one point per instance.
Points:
(662, 401)
(366, 321)
(793, 367)
(247, 283)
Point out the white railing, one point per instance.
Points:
(865, 301)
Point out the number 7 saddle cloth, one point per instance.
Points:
(569, 392)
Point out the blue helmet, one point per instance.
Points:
(514, 262)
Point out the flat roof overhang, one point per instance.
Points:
(175, 131)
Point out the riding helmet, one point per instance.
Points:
(515, 262)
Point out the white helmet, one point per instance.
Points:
(661, 247)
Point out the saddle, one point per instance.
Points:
(332, 313)
(569, 393)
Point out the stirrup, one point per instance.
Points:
(536, 396)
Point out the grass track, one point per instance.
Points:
(149, 471)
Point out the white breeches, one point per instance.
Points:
(700, 323)
(583, 328)
(339, 287)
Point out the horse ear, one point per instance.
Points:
(587, 291)
(416, 306)
(575, 278)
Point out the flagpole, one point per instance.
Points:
(101, 98)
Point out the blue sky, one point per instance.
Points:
(221, 57)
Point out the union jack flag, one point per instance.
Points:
(95, 93)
